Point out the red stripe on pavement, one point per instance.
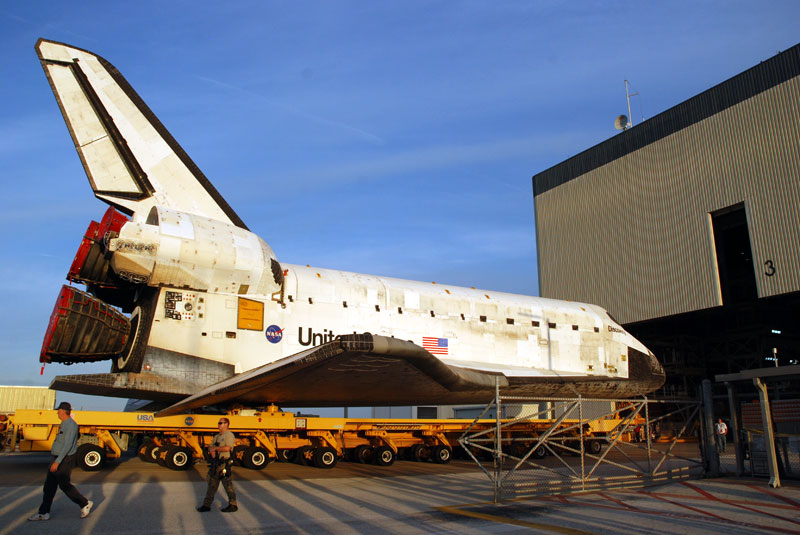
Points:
(777, 496)
(712, 497)
(737, 502)
(618, 502)
(696, 510)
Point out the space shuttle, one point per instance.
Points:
(191, 308)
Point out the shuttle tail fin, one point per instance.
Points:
(131, 160)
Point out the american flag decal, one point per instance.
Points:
(435, 346)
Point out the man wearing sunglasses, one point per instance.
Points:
(220, 468)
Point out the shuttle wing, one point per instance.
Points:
(356, 370)
(132, 161)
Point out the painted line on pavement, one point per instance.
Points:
(696, 510)
(712, 497)
(513, 521)
(618, 502)
(737, 502)
(685, 516)
(775, 495)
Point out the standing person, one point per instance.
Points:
(220, 468)
(720, 433)
(64, 447)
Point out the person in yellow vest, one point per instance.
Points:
(221, 468)
(58, 475)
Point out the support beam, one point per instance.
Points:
(709, 448)
(737, 437)
(769, 436)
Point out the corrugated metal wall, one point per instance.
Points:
(13, 398)
(634, 234)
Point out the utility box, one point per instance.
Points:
(14, 398)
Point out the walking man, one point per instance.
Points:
(220, 468)
(720, 433)
(64, 447)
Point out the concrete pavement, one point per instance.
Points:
(457, 501)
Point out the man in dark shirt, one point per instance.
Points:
(64, 447)
(220, 469)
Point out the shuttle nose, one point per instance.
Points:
(645, 369)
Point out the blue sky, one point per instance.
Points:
(391, 138)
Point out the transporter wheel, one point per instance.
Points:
(178, 458)
(161, 455)
(303, 455)
(325, 457)
(420, 452)
(142, 451)
(132, 356)
(574, 445)
(90, 457)
(594, 446)
(150, 452)
(285, 456)
(384, 456)
(363, 454)
(540, 452)
(237, 454)
(442, 454)
(255, 458)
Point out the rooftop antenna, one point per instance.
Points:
(623, 122)
(628, 98)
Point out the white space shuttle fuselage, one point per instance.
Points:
(209, 299)
(226, 273)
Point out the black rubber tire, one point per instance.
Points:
(161, 455)
(540, 452)
(325, 457)
(255, 458)
(442, 454)
(303, 455)
(363, 454)
(384, 456)
(286, 455)
(594, 446)
(141, 321)
(142, 451)
(420, 452)
(90, 458)
(517, 449)
(150, 452)
(237, 454)
(574, 445)
(178, 458)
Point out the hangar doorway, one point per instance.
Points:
(737, 277)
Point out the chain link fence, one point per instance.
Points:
(745, 452)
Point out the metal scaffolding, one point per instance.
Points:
(585, 444)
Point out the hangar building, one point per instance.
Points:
(686, 227)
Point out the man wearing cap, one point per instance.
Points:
(64, 447)
(220, 468)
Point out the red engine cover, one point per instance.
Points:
(83, 329)
(90, 264)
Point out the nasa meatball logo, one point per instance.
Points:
(189, 420)
(274, 334)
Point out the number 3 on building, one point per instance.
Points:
(770, 268)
